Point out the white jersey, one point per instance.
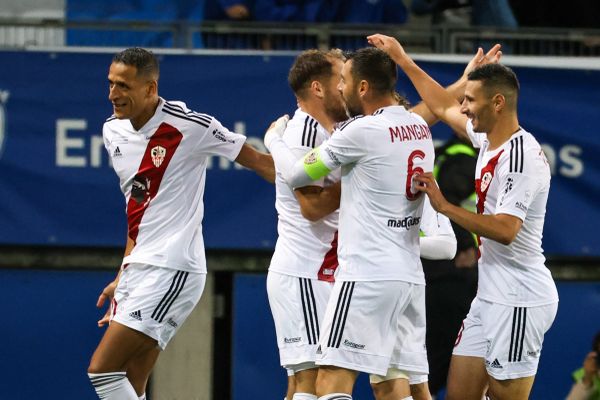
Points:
(514, 179)
(304, 249)
(162, 170)
(380, 211)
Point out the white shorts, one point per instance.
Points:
(156, 301)
(508, 338)
(298, 306)
(372, 326)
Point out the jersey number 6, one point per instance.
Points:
(410, 195)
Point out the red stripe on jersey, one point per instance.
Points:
(159, 152)
(330, 262)
(482, 185)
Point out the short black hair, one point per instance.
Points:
(311, 65)
(496, 77)
(376, 67)
(143, 60)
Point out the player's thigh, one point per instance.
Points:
(360, 324)
(515, 336)
(410, 354)
(119, 345)
(510, 389)
(297, 305)
(155, 300)
(467, 378)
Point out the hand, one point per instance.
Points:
(426, 183)
(388, 44)
(107, 294)
(491, 57)
(275, 130)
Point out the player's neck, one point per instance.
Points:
(371, 106)
(502, 131)
(141, 120)
(317, 111)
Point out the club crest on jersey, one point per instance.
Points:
(3, 99)
(486, 179)
(158, 154)
(311, 158)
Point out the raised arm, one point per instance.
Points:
(457, 89)
(442, 103)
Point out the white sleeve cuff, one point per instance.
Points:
(442, 247)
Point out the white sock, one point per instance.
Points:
(142, 397)
(408, 398)
(304, 396)
(113, 386)
(336, 396)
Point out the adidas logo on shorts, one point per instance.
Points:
(136, 315)
(495, 364)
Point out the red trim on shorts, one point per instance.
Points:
(330, 262)
(460, 333)
(114, 307)
(150, 175)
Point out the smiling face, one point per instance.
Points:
(478, 106)
(349, 91)
(132, 95)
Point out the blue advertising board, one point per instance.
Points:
(57, 188)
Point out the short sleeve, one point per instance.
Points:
(344, 147)
(476, 137)
(220, 141)
(304, 138)
(516, 193)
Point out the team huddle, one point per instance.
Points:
(358, 207)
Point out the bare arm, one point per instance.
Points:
(317, 202)
(502, 228)
(441, 103)
(457, 89)
(261, 163)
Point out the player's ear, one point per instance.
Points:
(498, 101)
(317, 89)
(363, 88)
(152, 88)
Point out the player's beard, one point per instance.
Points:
(352, 105)
(334, 107)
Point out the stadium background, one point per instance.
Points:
(62, 219)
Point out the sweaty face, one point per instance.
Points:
(334, 105)
(349, 90)
(129, 94)
(477, 105)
